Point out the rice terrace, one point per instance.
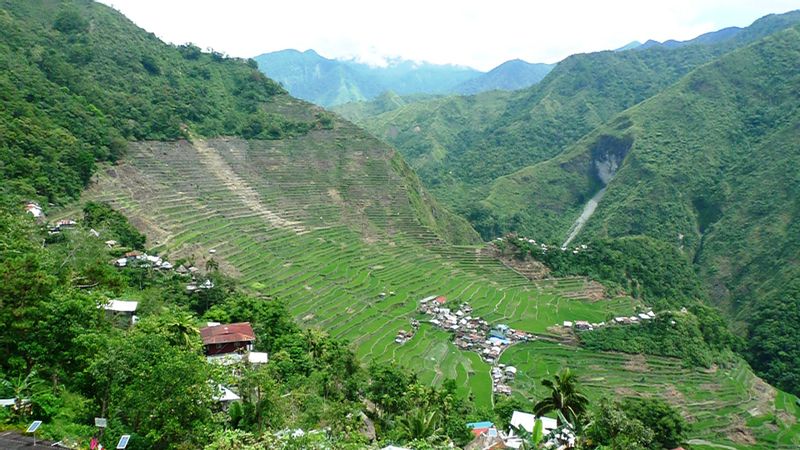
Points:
(342, 244)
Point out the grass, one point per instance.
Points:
(718, 403)
(366, 238)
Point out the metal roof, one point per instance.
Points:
(223, 334)
(121, 306)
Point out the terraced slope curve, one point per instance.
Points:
(327, 222)
(727, 407)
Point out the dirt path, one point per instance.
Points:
(219, 168)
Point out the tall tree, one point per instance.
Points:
(565, 396)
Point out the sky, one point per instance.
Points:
(475, 33)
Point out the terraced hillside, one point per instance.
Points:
(329, 221)
(727, 407)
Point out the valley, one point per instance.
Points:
(328, 234)
(617, 231)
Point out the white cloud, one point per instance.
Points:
(478, 33)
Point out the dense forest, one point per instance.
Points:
(72, 96)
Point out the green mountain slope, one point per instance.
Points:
(707, 165)
(533, 125)
(299, 206)
(509, 76)
(329, 82)
(72, 95)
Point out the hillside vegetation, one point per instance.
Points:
(501, 134)
(704, 168)
(72, 94)
(325, 240)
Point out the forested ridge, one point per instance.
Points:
(72, 95)
(705, 137)
(81, 85)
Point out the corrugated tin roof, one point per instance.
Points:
(121, 306)
(223, 334)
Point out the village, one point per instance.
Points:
(232, 345)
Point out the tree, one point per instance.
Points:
(160, 390)
(612, 428)
(668, 426)
(565, 397)
(421, 424)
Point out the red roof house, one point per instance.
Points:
(440, 299)
(230, 338)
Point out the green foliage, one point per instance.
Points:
(642, 266)
(669, 428)
(565, 397)
(774, 337)
(614, 428)
(107, 221)
(73, 93)
(668, 334)
(462, 147)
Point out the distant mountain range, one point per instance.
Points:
(329, 82)
(509, 76)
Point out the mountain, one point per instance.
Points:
(329, 82)
(629, 46)
(508, 76)
(323, 237)
(703, 166)
(502, 133)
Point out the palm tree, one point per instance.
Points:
(181, 328)
(25, 391)
(565, 397)
(421, 424)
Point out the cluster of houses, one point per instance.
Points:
(475, 334)
(501, 376)
(544, 247)
(404, 336)
(143, 260)
(136, 258)
(487, 436)
(583, 325)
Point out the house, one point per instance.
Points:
(526, 421)
(225, 395)
(427, 299)
(582, 325)
(34, 209)
(440, 299)
(567, 324)
(66, 223)
(230, 338)
(122, 308)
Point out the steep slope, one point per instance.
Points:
(329, 82)
(707, 165)
(309, 76)
(428, 132)
(71, 94)
(581, 93)
(508, 76)
(305, 207)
